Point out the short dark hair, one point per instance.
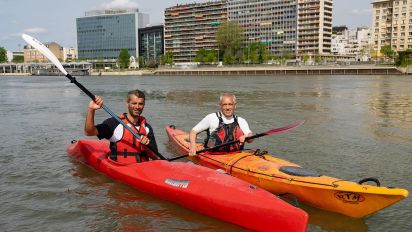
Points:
(137, 93)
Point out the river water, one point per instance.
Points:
(357, 127)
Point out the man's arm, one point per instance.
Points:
(192, 137)
(89, 127)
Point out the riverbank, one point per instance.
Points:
(252, 71)
(273, 71)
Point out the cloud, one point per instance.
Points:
(120, 4)
(361, 11)
(37, 30)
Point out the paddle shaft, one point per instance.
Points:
(93, 97)
(46, 52)
(269, 132)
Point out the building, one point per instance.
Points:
(69, 54)
(273, 23)
(32, 55)
(101, 34)
(391, 24)
(190, 27)
(314, 27)
(354, 45)
(151, 44)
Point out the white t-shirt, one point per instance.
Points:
(211, 122)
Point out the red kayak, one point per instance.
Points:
(198, 188)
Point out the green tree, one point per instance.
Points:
(387, 51)
(211, 56)
(3, 55)
(167, 58)
(229, 36)
(18, 59)
(124, 58)
(228, 57)
(201, 55)
(305, 58)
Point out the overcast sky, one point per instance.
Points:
(55, 20)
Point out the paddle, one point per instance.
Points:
(269, 132)
(46, 52)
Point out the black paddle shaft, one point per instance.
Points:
(93, 97)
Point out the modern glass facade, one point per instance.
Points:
(102, 34)
(273, 23)
(151, 45)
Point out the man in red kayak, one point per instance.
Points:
(222, 127)
(124, 146)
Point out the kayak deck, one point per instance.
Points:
(198, 188)
(283, 177)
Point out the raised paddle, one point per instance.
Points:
(269, 132)
(47, 53)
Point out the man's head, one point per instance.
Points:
(135, 102)
(227, 104)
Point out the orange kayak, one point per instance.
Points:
(282, 177)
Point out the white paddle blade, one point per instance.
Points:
(45, 51)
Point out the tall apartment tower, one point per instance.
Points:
(392, 24)
(273, 23)
(101, 34)
(189, 27)
(151, 43)
(314, 26)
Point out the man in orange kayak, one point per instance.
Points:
(222, 127)
(124, 146)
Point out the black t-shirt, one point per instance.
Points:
(112, 130)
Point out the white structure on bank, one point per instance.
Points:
(69, 54)
(355, 43)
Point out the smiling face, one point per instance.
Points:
(227, 105)
(135, 105)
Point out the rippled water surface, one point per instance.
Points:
(357, 127)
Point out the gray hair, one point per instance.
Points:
(227, 95)
(137, 93)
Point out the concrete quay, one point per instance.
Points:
(273, 71)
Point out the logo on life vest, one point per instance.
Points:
(348, 197)
(177, 183)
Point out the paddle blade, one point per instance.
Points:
(284, 129)
(45, 51)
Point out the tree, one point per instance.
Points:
(201, 55)
(18, 59)
(387, 51)
(124, 58)
(305, 58)
(211, 56)
(229, 36)
(167, 58)
(3, 55)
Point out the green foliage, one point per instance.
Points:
(387, 51)
(229, 57)
(211, 56)
(305, 58)
(3, 55)
(201, 55)
(404, 58)
(229, 36)
(18, 59)
(167, 58)
(124, 58)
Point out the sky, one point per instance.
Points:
(55, 20)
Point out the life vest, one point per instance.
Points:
(225, 133)
(128, 149)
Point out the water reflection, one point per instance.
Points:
(123, 208)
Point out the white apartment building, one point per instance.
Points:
(353, 44)
(314, 27)
(392, 24)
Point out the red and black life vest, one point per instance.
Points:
(128, 149)
(225, 133)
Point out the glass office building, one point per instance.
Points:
(102, 34)
(151, 45)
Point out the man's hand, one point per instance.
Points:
(144, 140)
(96, 104)
(243, 138)
(192, 150)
